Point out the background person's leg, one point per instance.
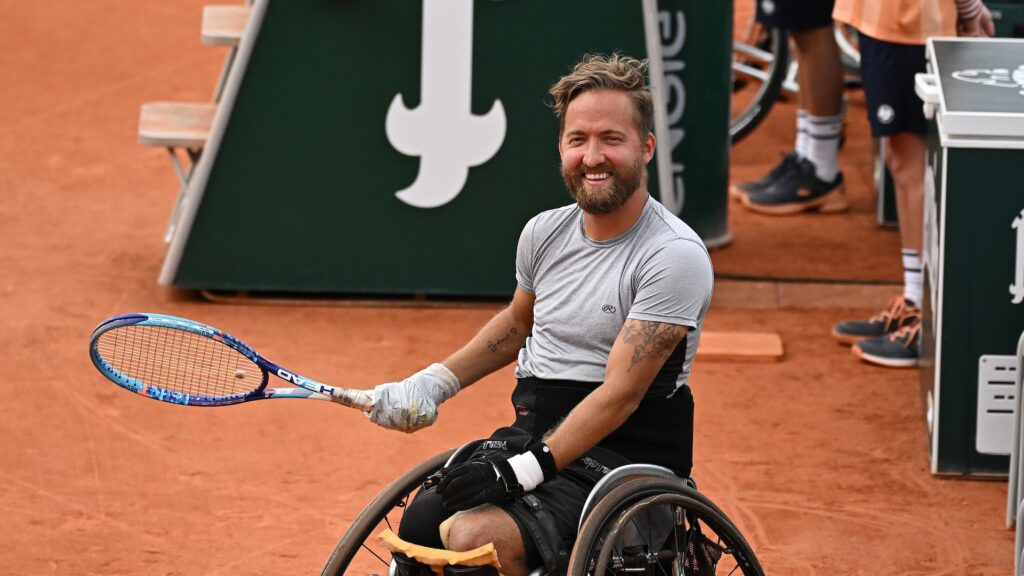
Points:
(905, 157)
(820, 74)
(821, 82)
(895, 112)
(815, 182)
(820, 99)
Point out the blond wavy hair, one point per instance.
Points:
(600, 72)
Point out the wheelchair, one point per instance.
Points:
(639, 520)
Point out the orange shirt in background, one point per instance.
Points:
(899, 21)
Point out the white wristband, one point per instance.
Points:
(527, 469)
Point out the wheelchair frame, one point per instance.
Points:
(626, 498)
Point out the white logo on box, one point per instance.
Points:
(998, 77)
(442, 130)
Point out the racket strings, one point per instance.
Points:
(179, 361)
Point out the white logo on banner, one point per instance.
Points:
(999, 77)
(442, 130)
(1017, 288)
(675, 99)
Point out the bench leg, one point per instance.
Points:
(229, 60)
(184, 175)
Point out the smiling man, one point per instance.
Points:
(604, 323)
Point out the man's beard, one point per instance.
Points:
(605, 198)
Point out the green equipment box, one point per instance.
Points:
(397, 147)
(973, 312)
(1008, 19)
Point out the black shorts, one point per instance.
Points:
(548, 517)
(887, 71)
(795, 14)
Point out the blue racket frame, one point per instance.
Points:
(310, 389)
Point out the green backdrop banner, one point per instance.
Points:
(397, 146)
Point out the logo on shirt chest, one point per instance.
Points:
(608, 309)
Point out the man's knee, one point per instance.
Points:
(485, 525)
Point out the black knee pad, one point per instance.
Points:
(421, 518)
(459, 570)
(405, 566)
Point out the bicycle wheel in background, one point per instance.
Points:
(849, 51)
(759, 63)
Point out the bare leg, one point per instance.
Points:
(905, 156)
(485, 524)
(820, 74)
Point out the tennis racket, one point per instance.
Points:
(185, 362)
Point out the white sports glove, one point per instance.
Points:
(412, 403)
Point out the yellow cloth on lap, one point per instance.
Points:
(438, 558)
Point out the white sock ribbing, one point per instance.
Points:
(823, 145)
(801, 133)
(913, 277)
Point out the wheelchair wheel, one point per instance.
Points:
(660, 527)
(358, 552)
(760, 61)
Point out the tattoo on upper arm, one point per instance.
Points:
(493, 345)
(650, 339)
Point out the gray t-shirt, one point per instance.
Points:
(658, 270)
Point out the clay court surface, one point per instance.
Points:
(822, 461)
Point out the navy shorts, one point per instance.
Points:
(795, 14)
(887, 71)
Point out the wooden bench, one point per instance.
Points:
(182, 128)
(224, 24)
(177, 126)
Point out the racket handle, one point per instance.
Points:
(359, 399)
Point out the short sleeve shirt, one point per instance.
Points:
(899, 21)
(658, 270)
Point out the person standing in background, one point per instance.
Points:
(807, 178)
(892, 39)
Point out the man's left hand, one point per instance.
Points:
(494, 478)
(483, 481)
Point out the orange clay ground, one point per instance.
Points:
(821, 460)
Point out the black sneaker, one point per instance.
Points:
(901, 349)
(798, 191)
(786, 165)
(900, 313)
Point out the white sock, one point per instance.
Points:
(801, 133)
(823, 145)
(913, 278)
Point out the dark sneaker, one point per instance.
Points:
(900, 313)
(901, 349)
(786, 165)
(798, 191)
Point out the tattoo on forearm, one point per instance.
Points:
(650, 339)
(493, 345)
